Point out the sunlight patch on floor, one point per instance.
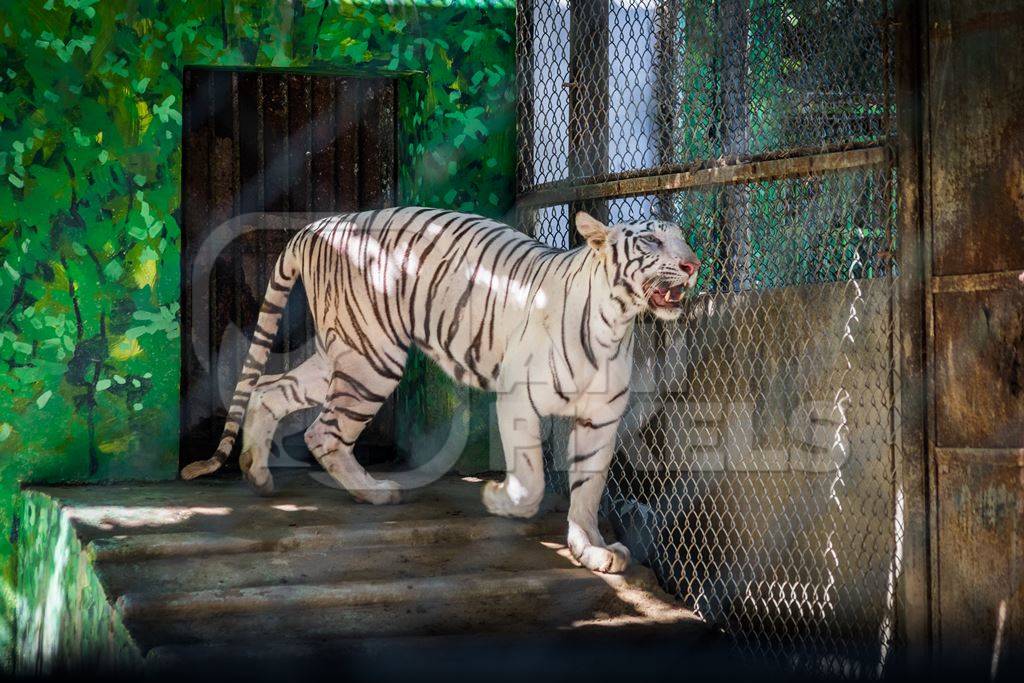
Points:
(112, 516)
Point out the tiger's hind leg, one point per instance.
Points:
(357, 391)
(273, 398)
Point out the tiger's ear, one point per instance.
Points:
(594, 231)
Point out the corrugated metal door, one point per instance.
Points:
(264, 152)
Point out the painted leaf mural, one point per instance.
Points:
(90, 164)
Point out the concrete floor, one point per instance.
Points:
(207, 572)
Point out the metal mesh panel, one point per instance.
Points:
(663, 85)
(756, 464)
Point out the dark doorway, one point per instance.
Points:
(265, 152)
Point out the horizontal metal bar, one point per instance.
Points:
(731, 174)
(987, 456)
(976, 282)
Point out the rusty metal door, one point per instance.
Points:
(974, 220)
(265, 152)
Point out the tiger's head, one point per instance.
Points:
(650, 263)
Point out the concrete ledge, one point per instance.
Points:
(452, 588)
(429, 531)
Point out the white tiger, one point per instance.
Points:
(550, 331)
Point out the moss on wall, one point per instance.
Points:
(90, 163)
(64, 621)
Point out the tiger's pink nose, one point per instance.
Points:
(689, 267)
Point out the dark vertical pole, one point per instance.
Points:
(914, 594)
(588, 101)
(199, 218)
(734, 98)
(196, 394)
(666, 93)
(222, 206)
(238, 307)
(733, 23)
(666, 118)
(524, 109)
(184, 276)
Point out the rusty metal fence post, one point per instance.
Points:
(914, 597)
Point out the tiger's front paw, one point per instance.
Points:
(498, 500)
(612, 559)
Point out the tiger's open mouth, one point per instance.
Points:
(666, 296)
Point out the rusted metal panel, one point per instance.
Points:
(979, 369)
(974, 168)
(977, 122)
(911, 471)
(981, 566)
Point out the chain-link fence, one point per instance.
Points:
(757, 463)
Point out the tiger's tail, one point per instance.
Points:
(282, 280)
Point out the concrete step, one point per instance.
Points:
(449, 588)
(562, 654)
(326, 565)
(410, 532)
(490, 602)
(309, 572)
(230, 507)
(481, 602)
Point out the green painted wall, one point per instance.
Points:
(90, 163)
(67, 622)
